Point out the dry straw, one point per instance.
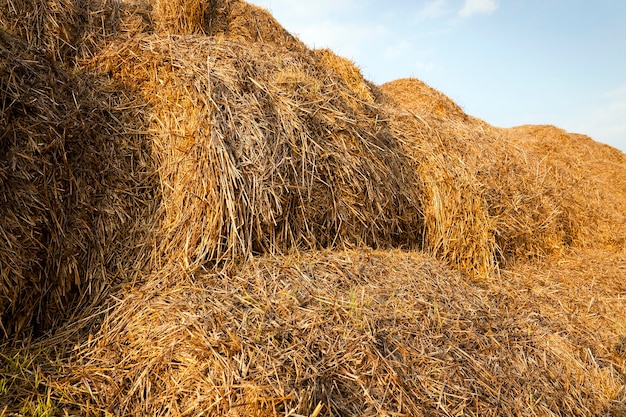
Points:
(234, 19)
(599, 171)
(260, 150)
(354, 333)
(65, 29)
(257, 149)
(189, 198)
(346, 71)
(487, 199)
(77, 185)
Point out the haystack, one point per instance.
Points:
(198, 214)
(260, 145)
(486, 200)
(257, 148)
(77, 187)
(599, 170)
(346, 333)
(261, 150)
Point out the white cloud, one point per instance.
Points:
(473, 7)
(434, 9)
(351, 39)
(333, 24)
(618, 92)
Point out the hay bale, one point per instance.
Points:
(260, 150)
(343, 69)
(345, 332)
(247, 22)
(186, 16)
(485, 199)
(76, 188)
(420, 98)
(598, 170)
(458, 227)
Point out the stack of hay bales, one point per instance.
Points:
(485, 199)
(234, 183)
(260, 145)
(257, 149)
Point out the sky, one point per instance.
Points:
(508, 62)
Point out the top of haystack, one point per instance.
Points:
(420, 98)
(70, 30)
(235, 19)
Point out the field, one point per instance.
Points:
(200, 215)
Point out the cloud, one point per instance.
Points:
(351, 39)
(434, 9)
(473, 7)
(618, 92)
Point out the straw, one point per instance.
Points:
(199, 215)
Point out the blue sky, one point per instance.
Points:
(509, 62)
